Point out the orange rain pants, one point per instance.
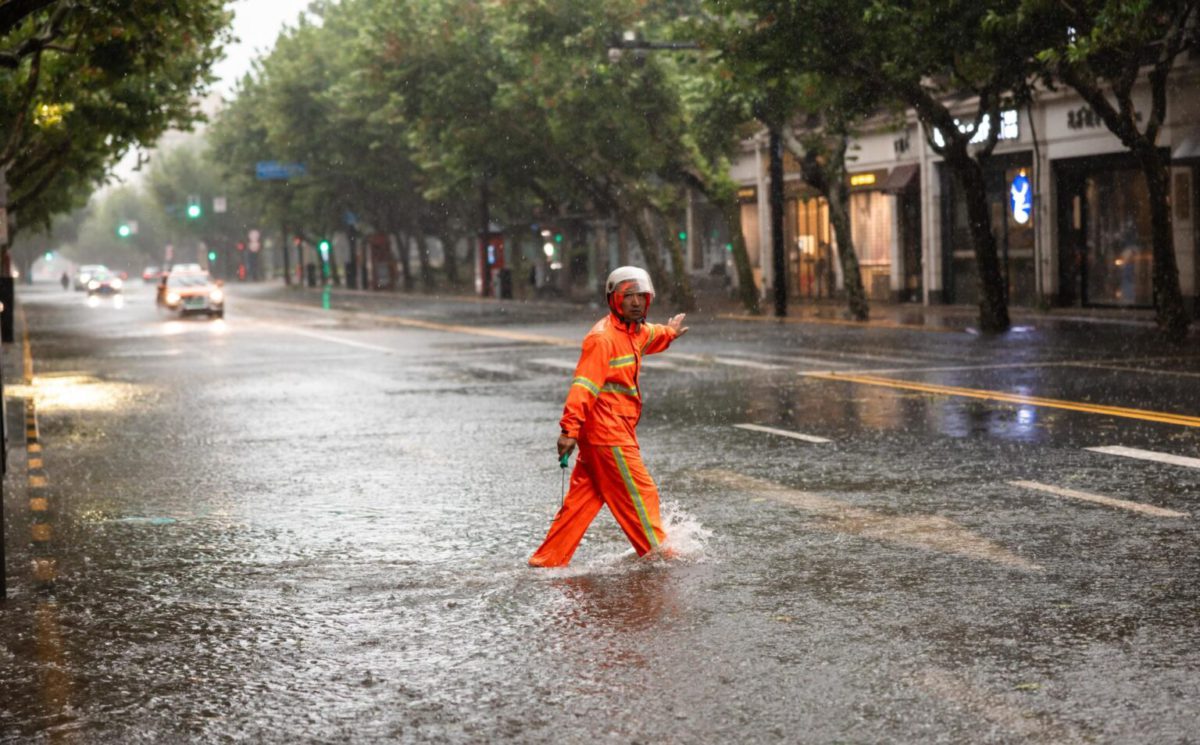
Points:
(604, 474)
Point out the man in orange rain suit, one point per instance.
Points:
(603, 407)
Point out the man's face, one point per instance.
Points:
(633, 306)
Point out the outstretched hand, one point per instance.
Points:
(676, 325)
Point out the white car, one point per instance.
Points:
(85, 274)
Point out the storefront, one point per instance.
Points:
(810, 242)
(1105, 241)
(1009, 182)
(904, 184)
(872, 226)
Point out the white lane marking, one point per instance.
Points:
(728, 361)
(1175, 460)
(1148, 371)
(794, 360)
(556, 364)
(781, 432)
(568, 365)
(994, 707)
(1123, 504)
(926, 532)
(160, 353)
(334, 339)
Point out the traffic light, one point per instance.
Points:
(124, 231)
(212, 255)
(558, 237)
(193, 209)
(49, 255)
(323, 247)
(682, 235)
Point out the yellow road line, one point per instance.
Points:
(1012, 398)
(841, 322)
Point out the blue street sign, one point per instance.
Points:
(1020, 200)
(274, 170)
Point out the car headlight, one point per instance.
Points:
(116, 283)
(92, 285)
(216, 296)
(172, 298)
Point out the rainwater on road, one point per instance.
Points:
(309, 522)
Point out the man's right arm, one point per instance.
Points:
(589, 377)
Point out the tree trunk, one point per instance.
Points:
(681, 285)
(622, 242)
(838, 197)
(1169, 310)
(450, 254)
(993, 291)
(643, 232)
(829, 178)
(779, 273)
(731, 209)
(402, 249)
(423, 258)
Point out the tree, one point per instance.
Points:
(928, 55)
(85, 81)
(1102, 49)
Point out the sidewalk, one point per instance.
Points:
(17, 519)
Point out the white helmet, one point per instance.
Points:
(623, 274)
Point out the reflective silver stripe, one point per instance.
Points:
(614, 388)
(587, 384)
(625, 361)
(636, 496)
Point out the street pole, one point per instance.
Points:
(7, 290)
(779, 264)
(283, 248)
(352, 269)
(481, 263)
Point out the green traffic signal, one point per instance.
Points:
(193, 211)
(682, 236)
(124, 231)
(212, 255)
(323, 247)
(558, 237)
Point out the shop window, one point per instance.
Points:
(1119, 239)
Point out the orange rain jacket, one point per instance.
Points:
(604, 403)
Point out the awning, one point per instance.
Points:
(901, 177)
(1188, 149)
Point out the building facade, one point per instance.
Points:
(1069, 209)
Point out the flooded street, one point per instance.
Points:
(309, 522)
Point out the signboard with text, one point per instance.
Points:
(274, 170)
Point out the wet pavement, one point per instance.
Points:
(309, 522)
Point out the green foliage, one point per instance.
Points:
(87, 81)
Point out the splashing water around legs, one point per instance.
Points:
(687, 539)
